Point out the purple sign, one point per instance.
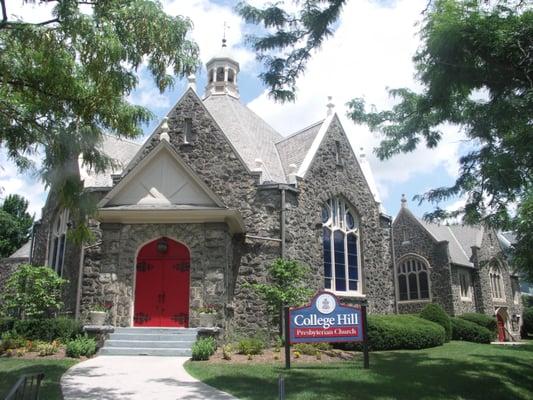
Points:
(325, 320)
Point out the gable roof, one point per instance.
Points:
(293, 148)
(23, 251)
(251, 136)
(121, 150)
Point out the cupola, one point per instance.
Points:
(222, 71)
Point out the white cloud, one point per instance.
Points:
(371, 51)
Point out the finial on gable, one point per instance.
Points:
(163, 135)
(330, 106)
(404, 201)
(191, 82)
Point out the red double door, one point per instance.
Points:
(162, 285)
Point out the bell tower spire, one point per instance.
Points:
(222, 71)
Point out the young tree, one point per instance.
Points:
(475, 65)
(15, 224)
(64, 82)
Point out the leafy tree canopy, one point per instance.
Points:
(64, 81)
(475, 66)
(15, 224)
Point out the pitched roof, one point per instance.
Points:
(23, 251)
(252, 137)
(461, 238)
(293, 148)
(122, 151)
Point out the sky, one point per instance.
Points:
(371, 50)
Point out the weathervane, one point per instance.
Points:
(226, 26)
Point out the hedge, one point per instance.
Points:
(435, 313)
(483, 320)
(50, 329)
(469, 331)
(391, 332)
(527, 315)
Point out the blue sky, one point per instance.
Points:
(370, 52)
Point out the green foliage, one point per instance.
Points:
(11, 340)
(522, 256)
(32, 292)
(49, 329)
(527, 300)
(47, 349)
(527, 326)
(203, 348)
(250, 346)
(15, 224)
(391, 332)
(435, 313)
(65, 82)
(81, 346)
(311, 349)
(286, 287)
(290, 40)
(483, 320)
(470, 331)
(6, 324)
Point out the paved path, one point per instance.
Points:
(128, 378)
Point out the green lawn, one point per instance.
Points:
(457, 370)
(12, 368)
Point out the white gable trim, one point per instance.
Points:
(162, 146)
(310, 156)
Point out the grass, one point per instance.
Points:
(457, 370)
(12, 368)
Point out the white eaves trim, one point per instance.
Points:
(310, 156)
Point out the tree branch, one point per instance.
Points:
(4, 12)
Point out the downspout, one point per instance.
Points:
(80, 280)
(282, 223)
(395, 273)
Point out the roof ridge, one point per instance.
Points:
(301, 131)
(122, 139)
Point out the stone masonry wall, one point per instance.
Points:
(463, 306)
(411, 238)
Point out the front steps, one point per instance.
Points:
(150, 342)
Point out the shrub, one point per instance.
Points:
(311, 349)
(11, 340)
(527, 316)
(6, 324)
(251, 346)
(483, 320)
(203, 348)
(390, 332)
(60, 328)
(81, 346)
(469, 331)
(32, 291)
(435, 313)
(47, 349)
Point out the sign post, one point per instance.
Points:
(325, 319)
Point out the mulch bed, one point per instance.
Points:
(272, 356)
(33, 355)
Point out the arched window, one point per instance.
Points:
(220, 74)
(212, 75)
(413, 279)
(340, 234)
(496, 282)
(58, 239)
(231, 75)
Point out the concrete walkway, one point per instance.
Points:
(131, 377)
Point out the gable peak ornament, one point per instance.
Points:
(164, 130)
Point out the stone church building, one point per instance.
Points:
(215, 195)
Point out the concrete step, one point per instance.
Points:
(153, 336)
(129, 351)
(155, 344)
(160, 331)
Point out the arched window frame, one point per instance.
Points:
(413, 264)
(496, 281)
(58, 242)
(339, 218)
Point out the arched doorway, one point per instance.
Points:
(162, 284)
(502, 318)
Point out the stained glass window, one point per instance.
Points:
(341, 248)
(413, 280)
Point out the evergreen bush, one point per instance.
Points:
(49, 329)
(6, 324)
(203, 348)
(81, 346)
(486, 321)
(435, 313)
(527, 316)
(470, 331)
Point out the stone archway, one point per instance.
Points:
(502, 318)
